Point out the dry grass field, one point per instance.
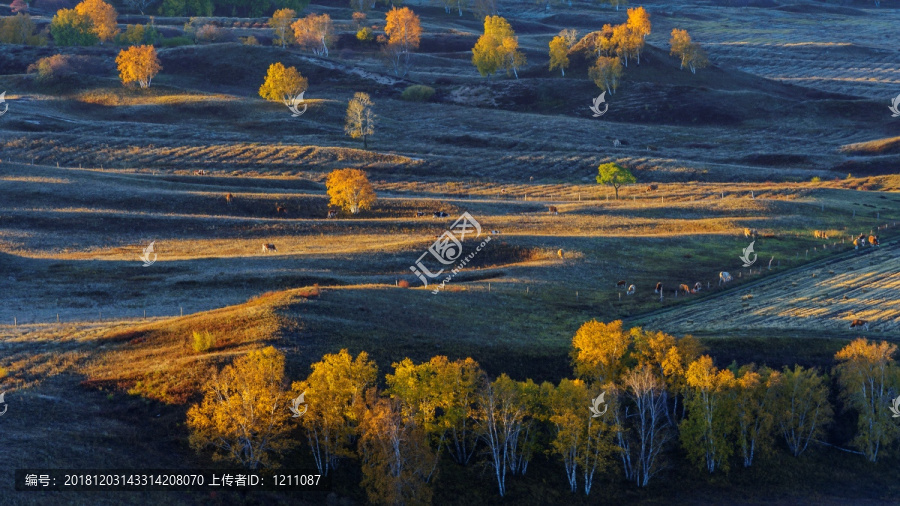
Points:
(787, 132)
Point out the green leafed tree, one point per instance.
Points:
(69, 28)
(613, 174)
(801, 407)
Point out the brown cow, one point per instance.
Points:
(684, 288)
(652, 187)
(229, 199)
(268, 247)
(873, 240)
(553, 210)
(659, 288)
(332, 214)
(859, 241)
(621, 284)
(860, 323)
(280, 210)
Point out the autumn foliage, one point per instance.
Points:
(282, 84)
(138, 64)
(350, 190)
(103, 18)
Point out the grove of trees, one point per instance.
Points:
(635, 395)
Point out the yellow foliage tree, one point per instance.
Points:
(315, 33)
(755, 395)
(350, 189)
(102, 15)
(404, 34)
(639, 21)
(360, 120)
(281, 24)
(598, 350)
(870, 379)
(559, 50)
(395, 456)
(583, 442)
(334, 391)
(244, 412)
(282, 84)
(138, 64)
(690, 53)
(497, 48)
(440, 395)
(706, 433)
(606, 73)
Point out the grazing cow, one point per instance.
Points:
(860, 323)
(229, 198)
(268, 247)
(750, 232)
(697, 287)
(684, 288)
(631, 290)
(652, 187)
(724, 277)
(621, 284)
(553, 210)
(820, 234)
(419, 214)
(280, 210)
(560, 253)
(859, 241)
(332, 214)
(617, 143)
(440, 214)
(495, 232)
(873, 240)
(659, 288)
(200, 172)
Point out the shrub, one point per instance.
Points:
(176, 41)
(403, 283)
(249, 41)
(3, 373)
(816, 179)
(212, 33)
(58, 67)
(365, 34)
(418, 93)
(202, 341)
